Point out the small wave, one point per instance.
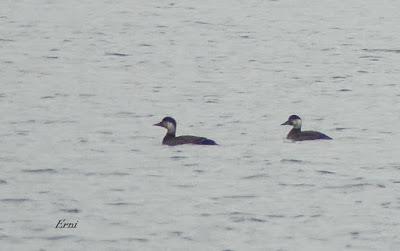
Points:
(341, 128)
(178, 157)
(191, 164)
(291, 161)
(137, 239)
(15, 200)
(105, 132)
(72, 210)
(256, 176)
(126, 114)
(118, 204)
(340, 77)
(127, 239)
(184, 186)
(6, 40)
(86, 95)
(382, 50)
(325, 172)
(234, 197)
(297, 185)
(47, 97)
(59, 237)
(107, 174)
(202, 22)
(276, 216)
(358, 185)
(247, 219)
(44, 170)
(59, 122)
(116, 54)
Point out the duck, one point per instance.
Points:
(296, 134)
(171, 139)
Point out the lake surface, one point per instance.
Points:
(82, 83)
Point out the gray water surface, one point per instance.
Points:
(82, 82)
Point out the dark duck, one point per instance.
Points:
(171, 140)
(296, 134)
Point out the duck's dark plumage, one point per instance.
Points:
(171, 140)
(187, 139)
(296, 134)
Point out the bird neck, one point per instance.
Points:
(295, 130)
(170, 134)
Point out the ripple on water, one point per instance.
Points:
(117, 54)
(105, 132)
(191, 164)
(237, 219)
(106, 174)
(4, 237)
(340, 77)
(382, 50)
(6, 40)
(9, 159)
(22, 132)
(128, 239)
(145, 45)
(83, 140)
(44, 170)
(297, 185)
(126, 114)
(385, 132)
(70, 210)
(118, 204)
(29, 121)
(386, 204)
(47, 97)
(355, 186)
(234, 197)
(255, 176)
(184, 186)
(58, 237)
(292, 161)
(137, 239)
(86, 95)
(177, 157)
(341, 128)
(15, 200)
(276, 216)
(325, 172)
(59, 121)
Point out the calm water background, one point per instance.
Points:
(82, 82)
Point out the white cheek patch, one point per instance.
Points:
(296, 123)
(170, 127)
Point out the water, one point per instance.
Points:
(83, 82)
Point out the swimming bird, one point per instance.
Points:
(297, 135)
(171, 140)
